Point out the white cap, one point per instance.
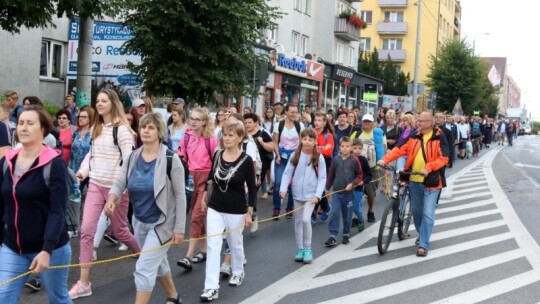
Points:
(367, 117)
(137, 102)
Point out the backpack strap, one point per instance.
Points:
(298, 128)
(170, 155)
(186, 142)
(207, 144)
(281, 126)
(115, 141)
(4, 167)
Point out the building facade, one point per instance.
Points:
(392, 27)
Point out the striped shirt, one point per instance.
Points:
(102, 163)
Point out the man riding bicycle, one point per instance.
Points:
(427, 152)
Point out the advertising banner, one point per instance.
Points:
(109, 60)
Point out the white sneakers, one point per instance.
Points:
(225, 270)
(236, 280)
(209, 295)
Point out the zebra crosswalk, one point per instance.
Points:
(480, 252)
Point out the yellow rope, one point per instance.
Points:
(169, 243)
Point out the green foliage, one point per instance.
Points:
(196, 48)
(395, 82)
(15, 14)
(457, 73)
(535, 127)
(51, 108)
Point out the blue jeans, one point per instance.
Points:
(278, 175)
(341, 202)
(357, 207)
(54, 280)
(423, 204)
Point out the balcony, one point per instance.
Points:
(344, 30)
(395, 55)
(392, 28)
(393, 3)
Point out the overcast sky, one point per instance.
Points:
(512, 34)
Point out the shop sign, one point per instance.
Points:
(342, 73)
(298, 66)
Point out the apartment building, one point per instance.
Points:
(315, 56)
(392, 27)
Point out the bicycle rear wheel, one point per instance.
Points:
(405, 213)
(388, 224)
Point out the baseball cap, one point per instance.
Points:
(368, 117)
(137, 103)
(179, 101)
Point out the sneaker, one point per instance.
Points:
(236, 280)
(110, 239)
(275, 215)
(299, 255)
(34, 284)
(361, 227)
(324, 216)
(308, 256)
(371, 217)
(123, 247)
(79, 290)
(209, 295)
(94, 256)
(264, 196)
(289, 214)
(245, 261)
(354, 222)
(345, 240)
(331, 242)
(254, 225)
(225, 270)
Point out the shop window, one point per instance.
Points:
(51, 59)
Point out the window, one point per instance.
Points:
(393, 16)
(307, 7)
(392, 44)
(298, 5)
(365, 44)
(352, 57)
(304, 45)
(295, 42)
(50, 65)
(367, 16)
(339, 52)
(271, 33)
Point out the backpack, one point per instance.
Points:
(368, 151)
(476, 129)
(257, 155)
(281, 126)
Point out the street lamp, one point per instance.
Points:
(474, 40)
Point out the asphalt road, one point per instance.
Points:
(481, 250)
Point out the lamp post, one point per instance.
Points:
(474, 40)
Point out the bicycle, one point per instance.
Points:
(397, 210)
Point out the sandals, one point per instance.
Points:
(422, 252)
(173, 300)
(199, 257)
(185, 263)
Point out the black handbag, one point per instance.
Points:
(432, 179)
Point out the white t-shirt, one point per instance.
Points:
(251, 150)
(290, 139)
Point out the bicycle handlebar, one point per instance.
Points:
(394, 169)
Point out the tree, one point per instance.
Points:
(197, 48)
(456, 74)
(15, 14)
(395, 82)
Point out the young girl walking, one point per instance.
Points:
(307, 170)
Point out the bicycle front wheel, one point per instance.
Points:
(405, 215)
(388, 224)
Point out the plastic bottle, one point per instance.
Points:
(75, 195)
(190, 185)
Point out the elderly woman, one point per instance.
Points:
(159, 206)
(32, 211)
(226, 207)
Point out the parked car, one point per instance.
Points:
(527, 130)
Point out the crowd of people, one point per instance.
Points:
(146, 175)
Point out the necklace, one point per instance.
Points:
(224, 174)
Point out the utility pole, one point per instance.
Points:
(417, 58)
(84, 62)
